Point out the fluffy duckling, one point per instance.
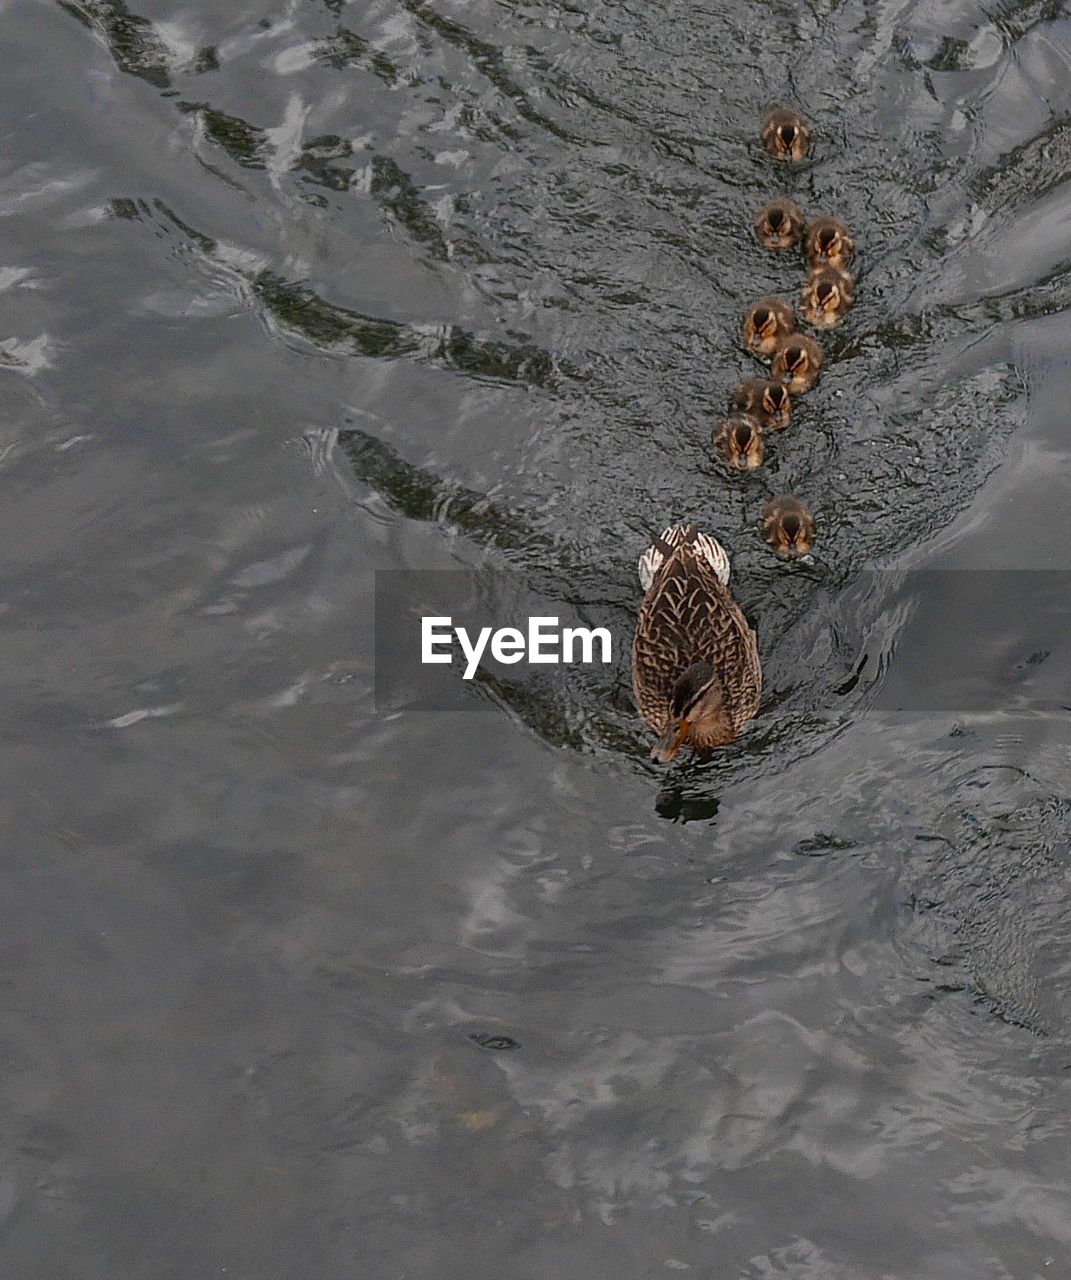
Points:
(769, 401)
(741, 441)
(788, 526)
(785, 134)
(696, 673)
(766, 323)
(827, 295)
(779, 224)
(827, 241)
(796, 362)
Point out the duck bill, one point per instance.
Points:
(672, 741)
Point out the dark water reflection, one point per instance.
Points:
(296, 987)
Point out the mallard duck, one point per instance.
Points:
(828, 240)
(779, 224)
(740, 441)
(766, 321)
(769, 401)
(785, 134)
(696, 676)
(796, 362)
(788, 526)
(827, 295)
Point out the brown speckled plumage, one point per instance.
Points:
(689, 617)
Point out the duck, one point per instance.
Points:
(769, 401)
(785, 134)
(797, 361)
(766, 321)
(696, 674)
(827, 295)
(787, 526)
(779, 224)
(827, 241)
(740, 440)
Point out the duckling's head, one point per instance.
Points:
(797, 362)
(779, 224)
(766, 321)
(785, 134)
(788, 527)
(741, 442)
(697, 711)
(826, 242)
(788, 137)
(777, 405)
(829, 242)
(826, 297)
(763, 326)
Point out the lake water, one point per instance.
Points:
(299, 982)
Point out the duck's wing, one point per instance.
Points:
(673, 629)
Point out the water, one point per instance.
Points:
(294, 292)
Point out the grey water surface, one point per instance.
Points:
(296, 983)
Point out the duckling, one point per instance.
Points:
(696, 674)
(828, 241)
(766, 321)
(779, 224)
(769, 401)
(827, 295)
(796, 362)
(741, 441)
(785, 134)
(788, 526)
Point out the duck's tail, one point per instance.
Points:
(680, 535)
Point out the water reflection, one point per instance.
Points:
(296, 292)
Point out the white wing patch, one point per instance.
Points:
(709, 548)
(716, 556)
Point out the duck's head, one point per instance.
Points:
(696, 711)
